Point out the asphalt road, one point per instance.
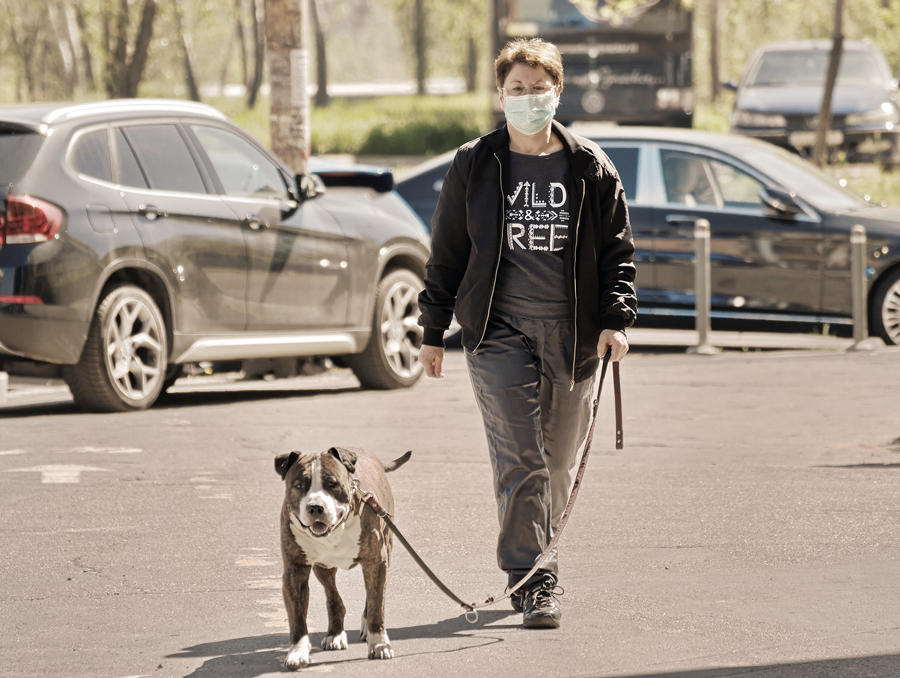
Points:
(750, 526)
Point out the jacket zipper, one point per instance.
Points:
(575, 283)
(499, 255)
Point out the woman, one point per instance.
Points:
(532, 249)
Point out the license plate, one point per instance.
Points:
(834, 137)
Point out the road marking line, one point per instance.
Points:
(255, 562)
(10, 453)
(58, 474)
(104, 450)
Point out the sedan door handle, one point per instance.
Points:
(681, 219)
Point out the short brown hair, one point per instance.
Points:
(531, 52)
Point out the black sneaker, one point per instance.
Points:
(518, 600)
(540, 607)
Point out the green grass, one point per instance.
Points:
(401, 125)
(428, 125)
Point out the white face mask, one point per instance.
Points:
(530, 113)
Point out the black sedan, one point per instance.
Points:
(140, 235)
(780, 231)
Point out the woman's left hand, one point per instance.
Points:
(615, 341)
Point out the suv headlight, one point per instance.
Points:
(750, 119)
(887, 113)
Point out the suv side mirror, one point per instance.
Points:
(730, 86)
(780, 201)
(309, 186)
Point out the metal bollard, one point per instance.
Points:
(4, 383)
(702, 288)
(861, 339)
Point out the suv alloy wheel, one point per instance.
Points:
(391, 359)
(123, 366)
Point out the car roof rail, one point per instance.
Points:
(131, 106)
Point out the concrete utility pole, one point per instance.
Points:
(288, 60)
(820, 150)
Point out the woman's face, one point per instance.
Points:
(523, 79)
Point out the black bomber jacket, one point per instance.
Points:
(467, 231)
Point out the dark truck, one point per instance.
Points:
(629, 67)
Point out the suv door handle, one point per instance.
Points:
(253, 222)
(150, 213)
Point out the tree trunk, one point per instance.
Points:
(135, 71)
(65, 50)
(24, 42)
(322, 98)
(820, 150)
(472, 66)
(288, 76)
(420, 46)
(242, 41)
(226, 62)
(714, 49)
(116, 60)
(86, 59)
(260, 31)
(189, 80)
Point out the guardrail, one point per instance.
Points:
(706, 339)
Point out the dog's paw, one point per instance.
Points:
(381, 651)
(380, 646)
(338, 642)
(298, 655)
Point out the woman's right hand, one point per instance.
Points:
(432, 358)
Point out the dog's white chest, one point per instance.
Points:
(340, 548)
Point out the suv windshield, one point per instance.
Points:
(793, 68)
(18, 149)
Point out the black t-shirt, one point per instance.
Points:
(531, 281)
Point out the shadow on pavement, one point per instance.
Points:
(263, 655)
(881, 666)
(174, 401)
(194, 398)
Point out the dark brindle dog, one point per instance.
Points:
(326, 525)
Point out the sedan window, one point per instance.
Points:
(242, 168)
(165, 159)
(90, 155)
(689, 179)
(738, 188)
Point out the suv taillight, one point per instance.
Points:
(29, 220)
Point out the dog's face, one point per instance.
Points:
(318, 488)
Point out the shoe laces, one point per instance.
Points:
(543, 592)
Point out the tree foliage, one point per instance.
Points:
(77, 49)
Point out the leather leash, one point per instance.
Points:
(472, 608)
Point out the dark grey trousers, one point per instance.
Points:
(535, 428)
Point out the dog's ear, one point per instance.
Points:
(284, 461)
(346, 457)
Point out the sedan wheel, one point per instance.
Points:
(886, 309)
(123, 366)
(391, 358)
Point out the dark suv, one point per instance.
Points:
(780, 93)
(140, 235)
